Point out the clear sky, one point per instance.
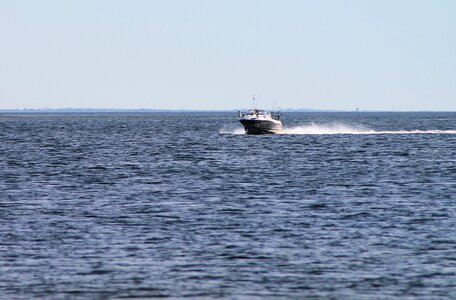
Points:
(213, 54)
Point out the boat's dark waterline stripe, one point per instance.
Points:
(260, 127)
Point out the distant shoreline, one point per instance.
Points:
(147, 110)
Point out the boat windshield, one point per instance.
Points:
(259, 112)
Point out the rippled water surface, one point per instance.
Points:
(340, 206)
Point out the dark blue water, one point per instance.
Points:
(97, 206)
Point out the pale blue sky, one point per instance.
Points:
(209, 54)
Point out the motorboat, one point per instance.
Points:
(258, 121)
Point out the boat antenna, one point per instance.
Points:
(254, 103)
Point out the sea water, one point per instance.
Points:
(126, 205)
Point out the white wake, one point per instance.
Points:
(347, 129)
(331, 129)
(231, 130)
